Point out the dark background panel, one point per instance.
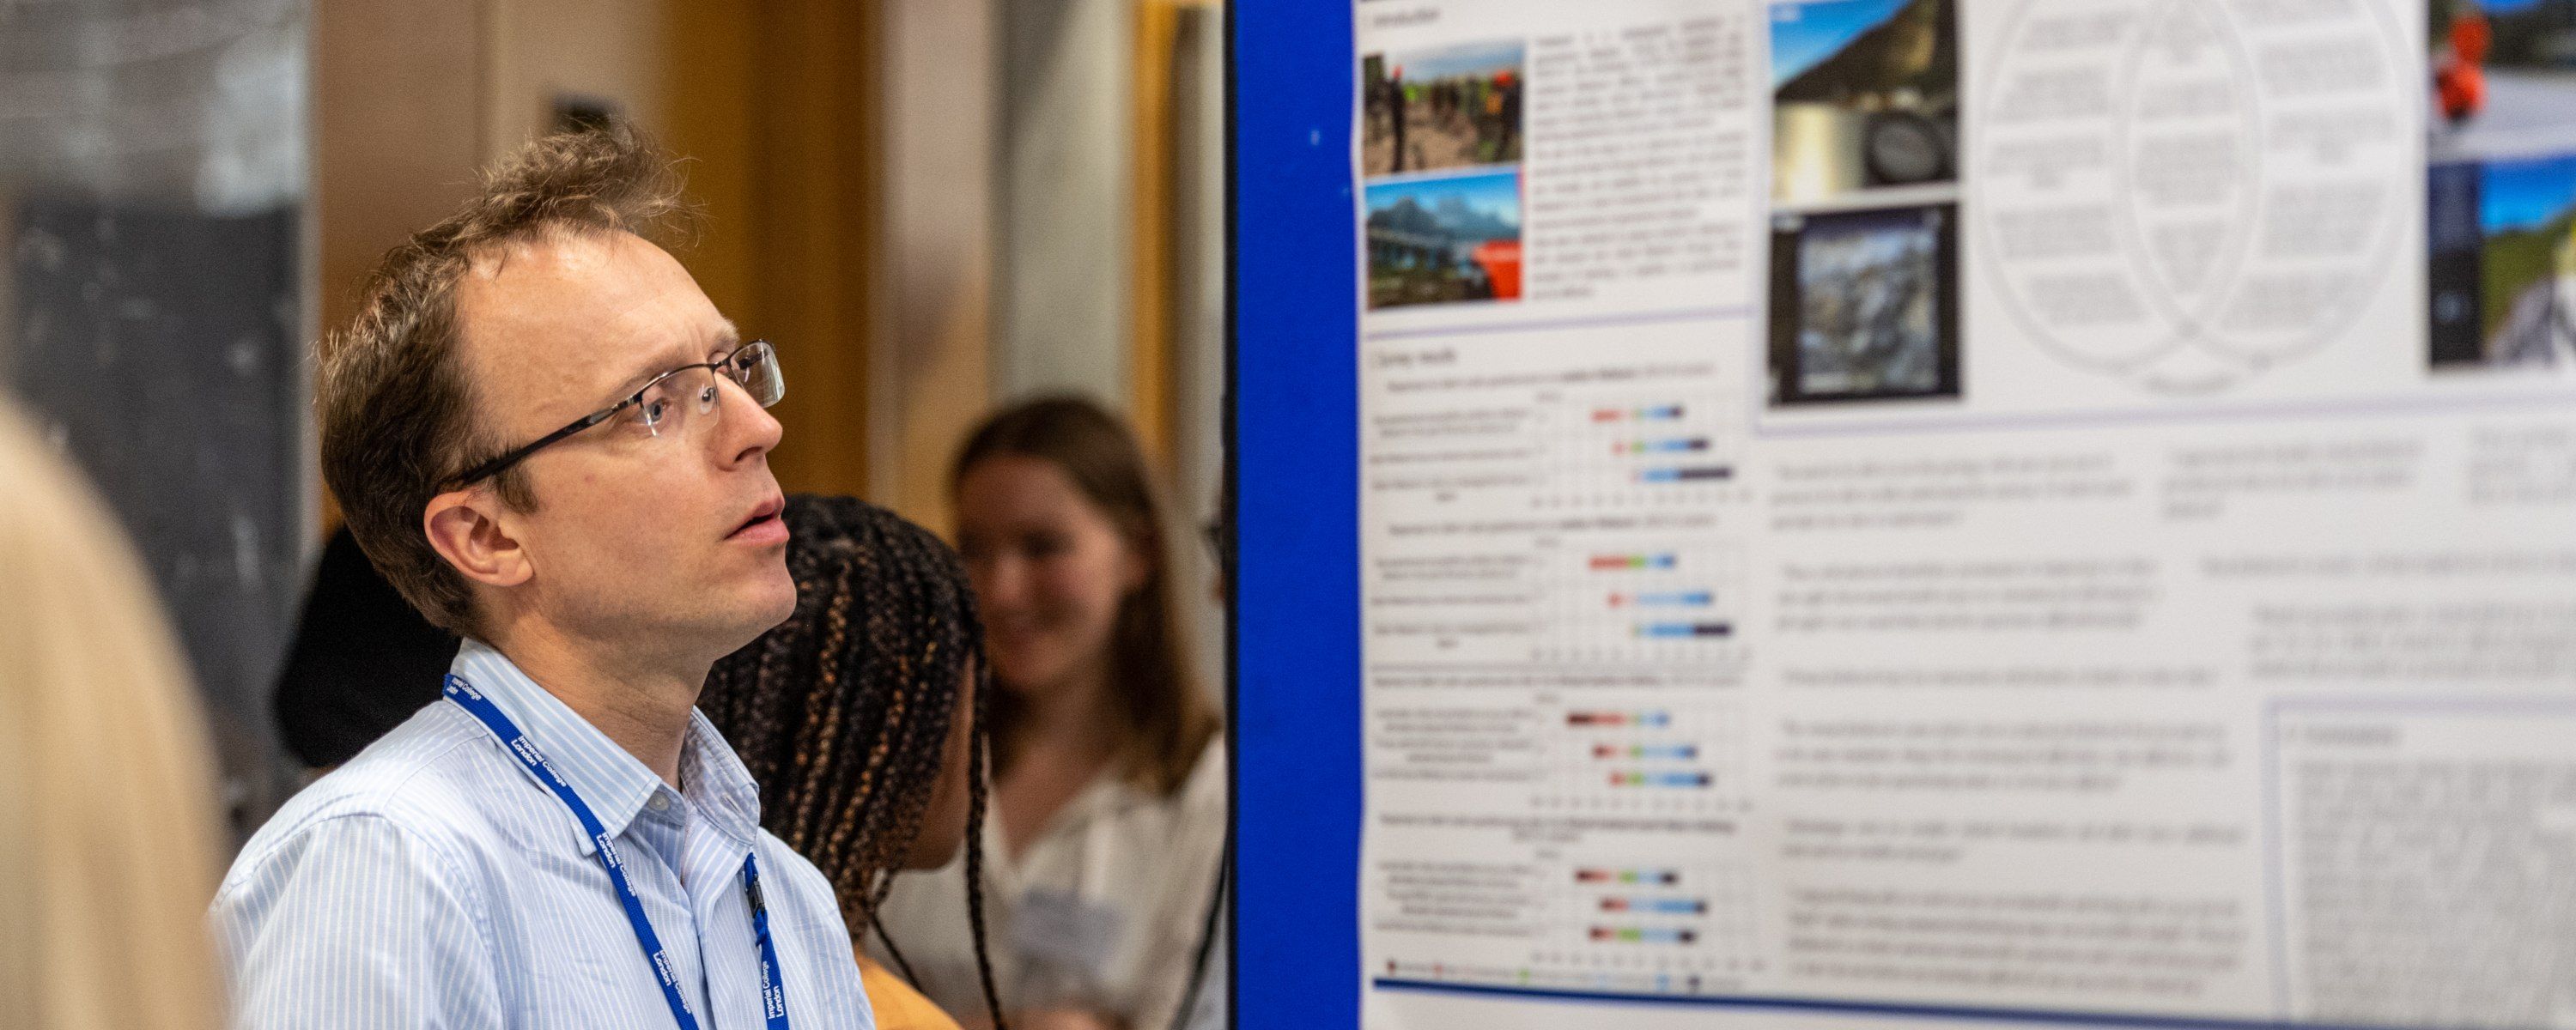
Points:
(160, 350)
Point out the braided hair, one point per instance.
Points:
(842, 712)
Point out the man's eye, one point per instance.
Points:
(653, 409)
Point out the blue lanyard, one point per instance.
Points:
(773, 997)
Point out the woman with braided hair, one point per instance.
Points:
(861, 719)
(1108, 768)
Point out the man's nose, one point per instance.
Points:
(746, 430)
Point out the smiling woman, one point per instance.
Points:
(1109, 777)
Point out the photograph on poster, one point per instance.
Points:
(2502, 268)
(1451, 107)
(1864, 305)
(2501, 68)
(1442, 240)
(1866, 96)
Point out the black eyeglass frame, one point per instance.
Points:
(721, 366)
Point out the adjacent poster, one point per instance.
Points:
(1971, 511)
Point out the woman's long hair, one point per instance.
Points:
(1167, 718)
(842, 712)
(109, 856)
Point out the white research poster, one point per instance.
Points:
(1962, 512)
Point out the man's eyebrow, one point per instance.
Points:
(724, 339)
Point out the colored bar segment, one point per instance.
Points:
(1644, 934)
(1646, 752)
(1685, 473)
(1671, 630)
(1617, 562)
(1669, 445)
(1640, 778)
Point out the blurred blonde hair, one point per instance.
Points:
(107, 831)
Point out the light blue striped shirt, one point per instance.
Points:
(433, 882)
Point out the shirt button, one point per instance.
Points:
(659, 803)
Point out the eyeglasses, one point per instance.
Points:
(667, 403)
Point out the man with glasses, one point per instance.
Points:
(547, 439)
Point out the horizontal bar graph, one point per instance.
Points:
(1656, 906)
(1622, 562)
(1668, 445)
(1646, 752)
(1673, 630)
(1652, 877)
(1665, 599)
(1645, 718)
(1638, 778)
(1644, 934)
(1685, 473)
(1646, 413)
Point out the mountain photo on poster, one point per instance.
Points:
(1865, 96)
(1444, 240)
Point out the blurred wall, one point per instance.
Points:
(152, 213)
(1064, 199)
(942, 127)
(1109, 236)
(415, 95)
(776, 122)
(1197, 341)
(778, 106)
(397, 122)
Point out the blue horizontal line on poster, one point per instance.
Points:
(1935, 1012)
(1644, 318)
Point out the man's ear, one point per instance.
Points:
(465, 528)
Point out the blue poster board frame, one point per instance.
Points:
(1293, 428)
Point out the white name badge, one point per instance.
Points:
(1069, 935)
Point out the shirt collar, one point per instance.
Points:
(720, 786)
(612, 781)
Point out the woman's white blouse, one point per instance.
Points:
(1103, 912)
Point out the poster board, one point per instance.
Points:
(1876, 512)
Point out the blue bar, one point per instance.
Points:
(1678, 599)
(1293, 430)
(1674, 630)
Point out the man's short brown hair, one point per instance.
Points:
(396, 410)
